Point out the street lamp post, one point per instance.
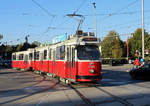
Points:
(143, 29)
(94, 4)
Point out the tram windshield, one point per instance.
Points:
(88, 52)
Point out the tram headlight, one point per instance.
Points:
(82, 43)
(91, 71)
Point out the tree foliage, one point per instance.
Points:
(19, 47)
(9, 49)
(112, 46)
(135, 42)
(35, 44)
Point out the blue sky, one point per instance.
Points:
(19, 18)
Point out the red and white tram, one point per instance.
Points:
(76, 59)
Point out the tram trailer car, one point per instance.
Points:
(76, 59)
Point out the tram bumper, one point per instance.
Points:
(88, 78)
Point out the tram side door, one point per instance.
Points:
(41, 61)
(54, 61)
(70, 63)
(26, 61)
(30, 60)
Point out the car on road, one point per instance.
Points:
(141, 72)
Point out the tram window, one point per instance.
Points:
(89, 52)
(34, 55)
(62, 52)
(26, 58)
(14, 57)
(37, 55)
(57, 53)
(73, 57)
(30, 56)
(45, 54)
(20, 56)
(41, 56)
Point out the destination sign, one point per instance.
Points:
(89, 39)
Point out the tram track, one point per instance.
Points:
(30, 94)
(88, 101)
(116, 98)
(85, 99)
(28, 90)
(119, 99)
(142, 86)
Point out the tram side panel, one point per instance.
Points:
(17, 64)
(14, 62)
(13, 65)
(50, 66)
(21, 64)
(59, 69)
(38, 65)
(45, 66)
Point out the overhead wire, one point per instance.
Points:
(48, 13)
(42, 8)
(125, 13)
(114, 13)
(125, 7)
(57, 27)
(127, 23)
(83, 2)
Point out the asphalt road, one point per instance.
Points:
(20, 88)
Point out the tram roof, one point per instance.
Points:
(77, 39)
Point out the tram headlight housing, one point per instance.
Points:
(82, 43)
(92, 71)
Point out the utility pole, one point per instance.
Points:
(143, 29)
(94, 4)
(127, 48)
(26, 38)
(26, 42)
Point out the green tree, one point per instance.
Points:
(9, 51)
(1, 36)
(19, 47)
(35, 44)
(135, 42)
(25, 46)
(112, 46)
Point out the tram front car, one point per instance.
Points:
(88, 59)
